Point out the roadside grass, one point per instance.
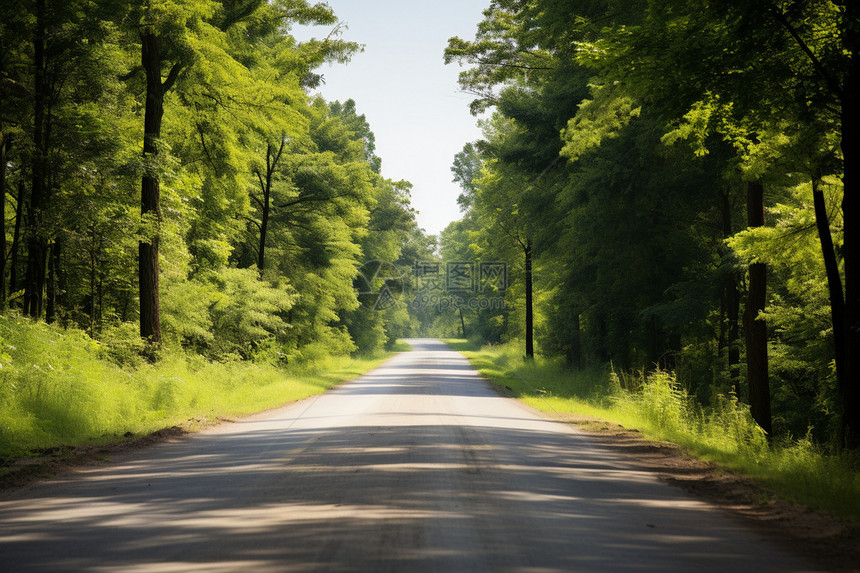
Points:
(656, 405)
(401, 346)
(59, 388)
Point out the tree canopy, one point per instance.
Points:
(182, 139)
(640, 146)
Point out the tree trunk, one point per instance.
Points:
(733, 307)
(4, 146)
(62, 284)
(16, 238)
(530, 350)
(264, 227)
(573, 356)
(732, 304)
(850, 118)
(150, 191)
(265, 209)
(755, 329)
(51, 307)
(272, 159)
(834, 281)
(100, 304)
(34, 277)
(93, 264)
(462, 321)
(37, 243)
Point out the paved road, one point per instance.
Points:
(417, 466)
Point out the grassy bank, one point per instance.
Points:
(59, 387)
(657, 406)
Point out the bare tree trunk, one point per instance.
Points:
(755, 329)
(16, 238)
(530, 349)
(732, 304)
(4, 146)
(265, 209)
(850, 389)
(264, 228)
(265, 203)
(834, 281)
(93, 264)
(462, 321)
(61, 280)
(51, 302)
(100, 306)
(37, 243)
(150, 191)
(56, 286)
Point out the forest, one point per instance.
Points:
(172, 191)
(674, 184)
(670, 185)
(168, 179)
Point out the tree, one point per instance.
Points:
(164, 31)
(264, 200)
(37, 242)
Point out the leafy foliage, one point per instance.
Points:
(620, 140)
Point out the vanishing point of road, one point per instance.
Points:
(416, 466)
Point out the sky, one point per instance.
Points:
(410, 97)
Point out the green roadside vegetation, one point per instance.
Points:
(188, 229)
(60, 387)
(658, 406)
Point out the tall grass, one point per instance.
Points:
(60, 387)
(654, 403)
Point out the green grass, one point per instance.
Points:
(656, 405)
(401, 346)
(59, 387)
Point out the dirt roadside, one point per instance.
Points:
(55, 462)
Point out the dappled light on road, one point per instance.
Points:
(417, 466)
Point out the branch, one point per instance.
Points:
(512, 234)
(250, 220)
(816, 63)
(292, 223)
(278, 155)
(260, 179)
(311, 198)
(206, 149)
(171, 77)
(257, 199)
(486, 62)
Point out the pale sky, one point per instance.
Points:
(410, 97)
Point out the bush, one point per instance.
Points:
(60, 387)
(226, 314)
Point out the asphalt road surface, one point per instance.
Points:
(417, 466)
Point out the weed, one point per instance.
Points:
(60, 387)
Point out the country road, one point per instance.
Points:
(417, 466)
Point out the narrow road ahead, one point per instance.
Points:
(417, 466)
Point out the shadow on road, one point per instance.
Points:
(416, 467)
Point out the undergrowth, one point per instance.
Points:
(60, 387)
(795, 468)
